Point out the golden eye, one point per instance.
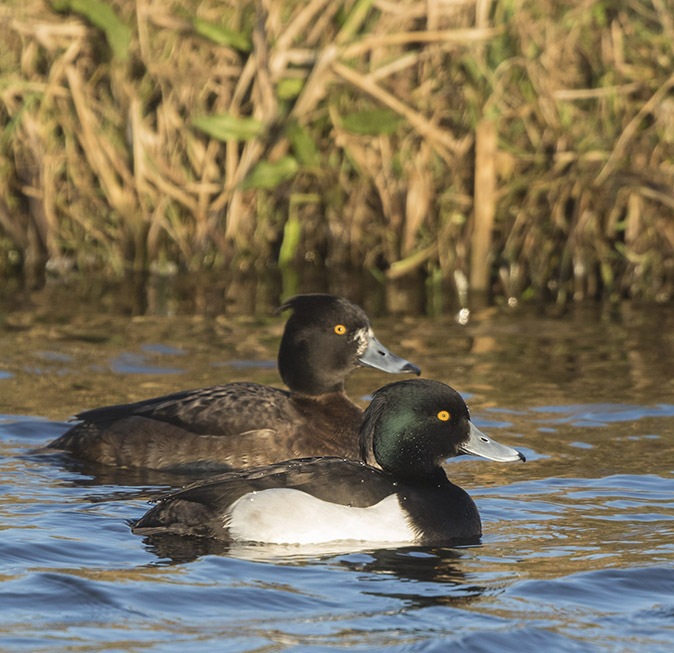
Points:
(443, 415)
(340, 329)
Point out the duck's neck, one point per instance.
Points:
(311, 385)
(330, 402)
(406, 460)
(336, 417)
(308, 371)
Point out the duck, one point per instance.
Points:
(240, 424)
(409, 429)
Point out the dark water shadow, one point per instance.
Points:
(407, 567)
(417, 566)
(411, 562)
(134, 482)
(173, 549)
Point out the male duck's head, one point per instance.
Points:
(411, 427)
(325, 339)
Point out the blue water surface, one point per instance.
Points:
(578, 545)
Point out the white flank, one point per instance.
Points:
(287, 516)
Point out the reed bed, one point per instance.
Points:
(524, 148)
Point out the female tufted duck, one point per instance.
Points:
(239, 425)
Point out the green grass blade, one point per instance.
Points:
(292, 231)
(289, 88)
(371, 121)
(222, 35)
(303, 145)
(270, 175)
(103, 16)
(226, 127)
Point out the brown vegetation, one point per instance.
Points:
(210, 133)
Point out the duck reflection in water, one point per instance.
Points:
(436, 573)
(436, 565)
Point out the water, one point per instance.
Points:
(578, 550)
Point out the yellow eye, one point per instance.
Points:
(340, 329)
(443, 415)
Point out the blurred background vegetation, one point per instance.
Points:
(520, 147)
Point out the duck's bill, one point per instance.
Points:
(377, 356)
(479, 444)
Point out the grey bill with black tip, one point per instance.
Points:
(478, 444)
(379, 357)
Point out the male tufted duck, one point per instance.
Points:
(409, 428)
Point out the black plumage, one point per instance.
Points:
(410, 428)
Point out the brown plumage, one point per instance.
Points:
(239, 425)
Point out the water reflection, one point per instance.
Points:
(577, 548)
(253, 292)
(181, 548)
(419, 565)
(111, 483)
(407, 564)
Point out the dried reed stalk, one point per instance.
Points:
(485, 204)
(373, 108)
